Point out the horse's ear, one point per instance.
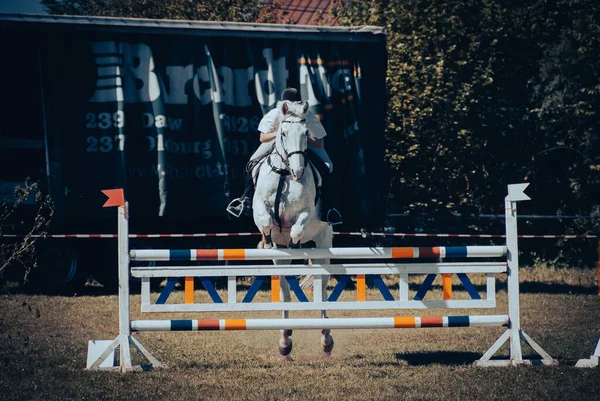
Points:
(305, 107)
(284, 108)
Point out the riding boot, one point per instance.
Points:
(329, 212)
(243, 204)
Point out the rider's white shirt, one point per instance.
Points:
(271, 121)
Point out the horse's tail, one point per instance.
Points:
(306, 283)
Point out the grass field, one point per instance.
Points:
(43, 348)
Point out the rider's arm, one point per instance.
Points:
(317, 131)
(316, 143)
(268, 126)
(267, 136)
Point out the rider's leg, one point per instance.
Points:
(243, 204)
(321, 161)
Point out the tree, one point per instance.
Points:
(206, 10)
(450, 101)
(565, 99)
(480, 92)
(486, 93)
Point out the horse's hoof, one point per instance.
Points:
(327, 344)
(285, 346)
(294, 246)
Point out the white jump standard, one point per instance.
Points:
(284, 274)
(594, 360)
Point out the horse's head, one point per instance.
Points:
(292, 138)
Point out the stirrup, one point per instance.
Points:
(236, 207)
(334, 217)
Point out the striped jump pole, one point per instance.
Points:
(408, 322)
(493, 251)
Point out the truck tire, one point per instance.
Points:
(59, 270)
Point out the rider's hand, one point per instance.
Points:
(316, 143)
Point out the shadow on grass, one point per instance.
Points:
(456, 358)
(533, 287)
(446, 358)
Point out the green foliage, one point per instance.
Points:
(484, 93)
(205, 10)
(565, 99)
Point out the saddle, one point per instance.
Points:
(254, 165)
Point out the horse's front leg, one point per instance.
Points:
(264, 222)
(298, 229)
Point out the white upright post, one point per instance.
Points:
(124, 328)
(514, 334)
(594, 360)
(512, 256)
(125, 339)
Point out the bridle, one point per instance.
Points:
(284, 172)
(286, 155)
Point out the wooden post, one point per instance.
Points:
(189, 290)
(275, 289)
(514, 334)
(124, 329)
(125, 339)
(361, 288)
(447, 286)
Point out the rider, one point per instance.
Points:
(268, 127)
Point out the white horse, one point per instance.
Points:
(284, 204)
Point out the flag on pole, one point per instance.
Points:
(116, 197)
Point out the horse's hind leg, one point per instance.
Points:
(324, 239)
(285, 341)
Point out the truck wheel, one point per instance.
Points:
(58, 271)
(106, 271)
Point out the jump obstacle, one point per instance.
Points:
(321, 299)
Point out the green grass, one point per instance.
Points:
(43, 358)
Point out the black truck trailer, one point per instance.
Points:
(168, 110)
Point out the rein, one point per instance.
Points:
(284, 172)
(285, 158)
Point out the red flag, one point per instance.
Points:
(115, 197)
